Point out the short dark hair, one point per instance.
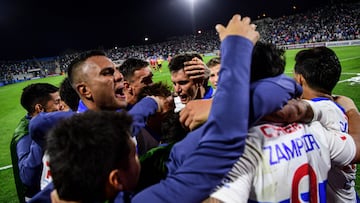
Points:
(267, 60)
(84, 149)
(320, 67)
(79, 60)
(68, 94)
(177, 62)
(155, 89)
(130, 65)
(171, 128)
(37, 93)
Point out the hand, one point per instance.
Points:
(211, 200)
(239, 27)
(195, 113)
(293, 111)
(345, 102)
(196, 69)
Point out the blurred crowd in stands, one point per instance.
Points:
(335, 22)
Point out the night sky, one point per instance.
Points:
(30, 28)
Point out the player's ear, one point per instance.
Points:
(115, 180)
(126, 84)
(128, 87)
(83, 90)
(302, 80)
(299, 79)
(38, 108)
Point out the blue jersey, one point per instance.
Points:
(21, 150)
(45, 121)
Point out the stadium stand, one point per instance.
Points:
(335, 22)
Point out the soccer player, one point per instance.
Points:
(92, 156)
(318, 70)
(305, 152)
(186, 87)
(137, 74)
(35, 98)
(214, 65)
(267, 81)
(69, 95)
(290, 162)
(223, 136)
(100, 87)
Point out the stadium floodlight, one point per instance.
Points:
(191, 2)
(192, 12)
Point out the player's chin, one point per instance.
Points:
(121, 100)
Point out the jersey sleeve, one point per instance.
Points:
(329, 115)
(140, 112)
(341, 145)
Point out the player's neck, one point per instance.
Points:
(311, 94)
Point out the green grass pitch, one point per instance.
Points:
(11, 111)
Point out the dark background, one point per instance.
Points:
(38, 28)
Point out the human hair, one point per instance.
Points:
(177, 62)
(213, 61)
(267, 61)
(77, 62)
(37, 93)
(320, 67)
(171, 128)
(155, 89)
(130, 65)
(68, 94)
(84, 149)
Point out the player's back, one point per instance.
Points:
(296, 161)
(288, 163)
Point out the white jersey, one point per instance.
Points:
(286, 164)
(341, 181)
(45, 175)
(178, 105)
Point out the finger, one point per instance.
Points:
(246, 20)
(192, 126)
(219, 28)
(196, 59)
(182, 116)
(194, 70)
(253, 26)
(188, 122)
(194, 63)
(235, 18)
